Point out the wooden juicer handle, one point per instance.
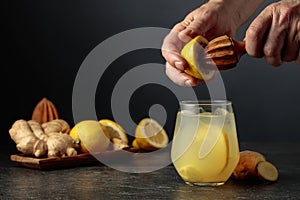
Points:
(224, 52)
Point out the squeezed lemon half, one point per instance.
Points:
(193, 52)
(150, 135)
(114, 130)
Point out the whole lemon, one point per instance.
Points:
(89, 134)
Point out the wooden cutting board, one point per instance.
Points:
(54, 163)
(86, 159)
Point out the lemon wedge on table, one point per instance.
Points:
(150, 135)
(193, 52)
(114, 130)
(90, 136)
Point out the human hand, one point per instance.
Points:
(275, 33)
(210, 20)
(213, 19)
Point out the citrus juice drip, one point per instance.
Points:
(190, 132)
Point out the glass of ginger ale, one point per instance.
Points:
(205, 147)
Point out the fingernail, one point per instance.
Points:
(179, 65)
(188, 83)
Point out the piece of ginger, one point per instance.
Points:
(26, 141)
(60, 145)
(56, 125)
(254, 165)
(31, 139)
(37, 130)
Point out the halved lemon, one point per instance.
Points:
(90, 136)
(150, 135)
(114, 130)
(193, 52)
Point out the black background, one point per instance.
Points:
(46, 41)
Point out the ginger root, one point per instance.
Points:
(27, 142)
(253, 165)
(37, 130)
(60, 145)
(32, 139)
(56, 125)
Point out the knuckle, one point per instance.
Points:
(272, 55)
(252, 33)
(286, 12)
(285, 15)
(178, 27)
(270, 52)
(187, 21)
(164, 53)
(253, 41)
(273, 6)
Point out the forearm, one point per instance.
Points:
(241, 9)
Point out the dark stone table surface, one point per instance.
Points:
(101, 182)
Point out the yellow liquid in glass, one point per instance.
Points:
(190, 133)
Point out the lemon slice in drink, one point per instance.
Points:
(190, 174)
(150, 135)
(114, 130)
(193, 52)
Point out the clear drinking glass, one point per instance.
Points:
(205, 147)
